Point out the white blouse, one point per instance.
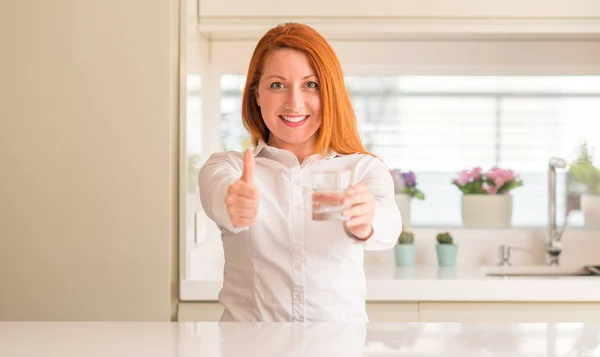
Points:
(288, 267)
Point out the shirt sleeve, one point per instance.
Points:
(387, 221)
(218, 172)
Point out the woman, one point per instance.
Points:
(280, 265)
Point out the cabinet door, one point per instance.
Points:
(392, 312)
(378, 312)
(362, 11)
(199, 311)
(474, 312)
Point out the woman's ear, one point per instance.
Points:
(256, 97)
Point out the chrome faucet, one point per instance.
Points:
(504, 254)
(554, 234)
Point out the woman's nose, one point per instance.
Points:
(295, 100)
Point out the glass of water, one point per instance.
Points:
(328, 193)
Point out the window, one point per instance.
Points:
(437, 126)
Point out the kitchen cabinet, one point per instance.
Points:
(467, 312)
(402, 16)
(393, 312)
(509, 312)
(199, 311)
(378, 312)
(389, 9)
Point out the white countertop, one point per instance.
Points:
(431, 283)
(211, 339)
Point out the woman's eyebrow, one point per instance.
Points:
(283, 78)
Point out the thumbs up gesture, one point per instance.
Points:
(242, 196)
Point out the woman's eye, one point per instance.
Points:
(276, 85)
(312, 85)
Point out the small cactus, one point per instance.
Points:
(444, 238)
(406, 237)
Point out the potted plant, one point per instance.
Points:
(446, 250)
(405, 189)
(583, 183)
(405, 249)
(486, 201)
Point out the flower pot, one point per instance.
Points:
(590, 205)
(446, 254)
(405, 254)
(486, 211)
(403, 201)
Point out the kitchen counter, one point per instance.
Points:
(171, 339)
(432, 283)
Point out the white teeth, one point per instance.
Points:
(294, 119)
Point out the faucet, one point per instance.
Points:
(504, 254)
(554, 235)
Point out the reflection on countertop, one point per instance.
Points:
(187, 339)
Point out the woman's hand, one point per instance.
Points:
(361, 211)
(242, 196)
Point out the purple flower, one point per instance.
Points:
(406, 183)
(409, 179)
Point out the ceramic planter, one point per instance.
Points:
(403, 201)
(446, 254)
(486, 211)
(405, 254)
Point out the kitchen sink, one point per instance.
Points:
(536, 270)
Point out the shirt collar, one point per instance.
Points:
(263, 146)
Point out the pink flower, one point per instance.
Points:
(466, 176)
(463, 178)
(500, 176)
(494, 182)
(492, 190)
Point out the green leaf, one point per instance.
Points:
(507, 186)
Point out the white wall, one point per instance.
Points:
(88, 144)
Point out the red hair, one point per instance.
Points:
(338, 130)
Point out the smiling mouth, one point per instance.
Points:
(294, 118)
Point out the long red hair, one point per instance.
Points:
(338, 130)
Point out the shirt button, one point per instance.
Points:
(296, 182)
(297, 267)
(298, 207)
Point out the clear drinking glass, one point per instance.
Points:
(328, 192)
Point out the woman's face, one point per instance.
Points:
(289, 100)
